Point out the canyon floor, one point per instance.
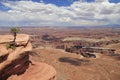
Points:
(73, 67)
(50, 45)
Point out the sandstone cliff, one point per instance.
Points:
(17, 65)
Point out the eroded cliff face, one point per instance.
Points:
(15, 64)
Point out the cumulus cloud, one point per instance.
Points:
(80, 13)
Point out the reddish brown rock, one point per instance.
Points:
(37, 71)
(15, 64)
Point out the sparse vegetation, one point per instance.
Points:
(7, 45)
(14, 31)
(97, 43)
(12, 45)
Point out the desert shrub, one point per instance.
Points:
(7, 45)
(10, 46)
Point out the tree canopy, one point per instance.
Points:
(14, 30)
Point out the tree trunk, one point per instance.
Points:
(14, 37)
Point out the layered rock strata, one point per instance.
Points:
(15, 64)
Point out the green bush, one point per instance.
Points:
(9, 46)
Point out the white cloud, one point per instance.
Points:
(100, 12)
(101, 1)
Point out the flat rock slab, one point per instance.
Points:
(19, 38)
(36, 71)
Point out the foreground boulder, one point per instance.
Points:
(17, 65)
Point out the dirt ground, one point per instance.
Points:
(73, 67)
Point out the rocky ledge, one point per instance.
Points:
(15, 64)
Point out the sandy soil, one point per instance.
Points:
(114, 46)
(72, 67)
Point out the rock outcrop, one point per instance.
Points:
(88, 51)
(15, 64)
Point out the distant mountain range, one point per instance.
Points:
(107, 26)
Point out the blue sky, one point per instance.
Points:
(59, 12)
(69, 2)
(56, 2)
(64, 2)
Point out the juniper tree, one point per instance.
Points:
(14, 31)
